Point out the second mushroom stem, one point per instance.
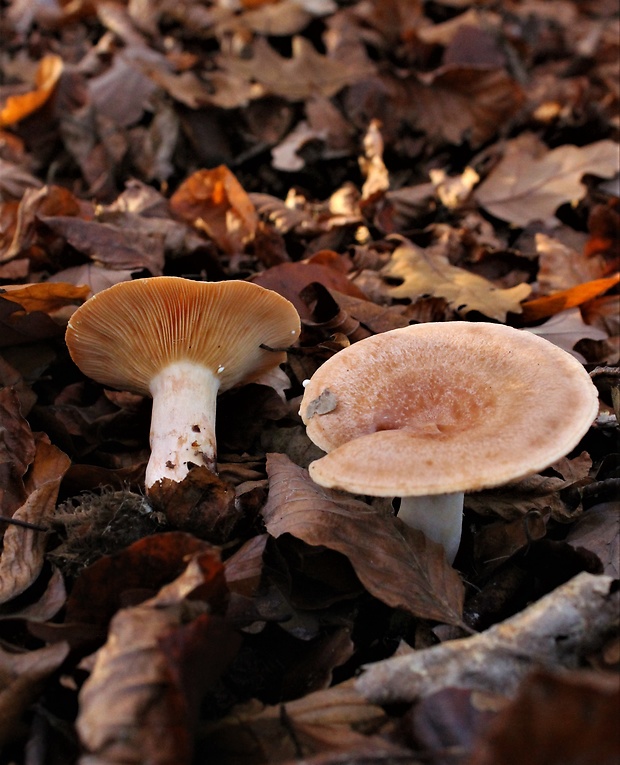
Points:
(182, 422)
(439, 516)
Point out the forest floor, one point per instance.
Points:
(380, 165)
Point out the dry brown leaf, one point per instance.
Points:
(23, 549)
(18, 107)
(396, 564)
(457, 102)
(215, 201)
(307, 73)
(566, 329)
(515, 500)
(323, 721)
(530, 182)
(429, 272)
(17, 451)
(561, 266)
(22, 676)
(556, 719)
(598, 530)
(116, 247)
(139, 703)
(283, 17)
(290, 280)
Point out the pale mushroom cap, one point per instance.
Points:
(125, 335)
(446, 407)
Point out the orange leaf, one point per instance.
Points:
(18, 107)
(215, 201)
(47, 297)
(541, 308)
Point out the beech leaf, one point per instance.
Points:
(531, 182)
(396, 564)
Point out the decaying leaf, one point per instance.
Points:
(531, 182)
(22, 677)
(140, 701)
(335, 720)
(566, 329)
(598, 530)
(307, 73)
(429, 272)
(18, 107)
(458, 102)
(396, 564)
(215, 201)
(556, 719)
(23, 550)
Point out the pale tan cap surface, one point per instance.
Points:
(445, 407)
(125, 335)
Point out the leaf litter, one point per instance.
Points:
(378, 164)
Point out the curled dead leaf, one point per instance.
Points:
(17, 107)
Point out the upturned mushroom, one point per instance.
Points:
(181, 342)
(430, 411)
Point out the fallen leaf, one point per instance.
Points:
(305, 74)
(45, 297)
(561, 266)
(141, 700)
(290, 280)
(566, 329)
(429, 272)
(17, 451)
(215, 201)
(456, 103)
(131, 248)
(333, 720)
(396, 564)
(22, 679)
(556, 719)
(530, 182)
(598, 530)
(47, 76)
(540, 308)
(23, 550)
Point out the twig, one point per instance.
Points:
(556, 631)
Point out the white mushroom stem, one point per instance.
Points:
(182, 422)
(439, 516)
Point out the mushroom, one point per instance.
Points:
(430, 411)
(181, 342)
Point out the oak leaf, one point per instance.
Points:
(429, 272)
(307, 73)
(530, 182)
